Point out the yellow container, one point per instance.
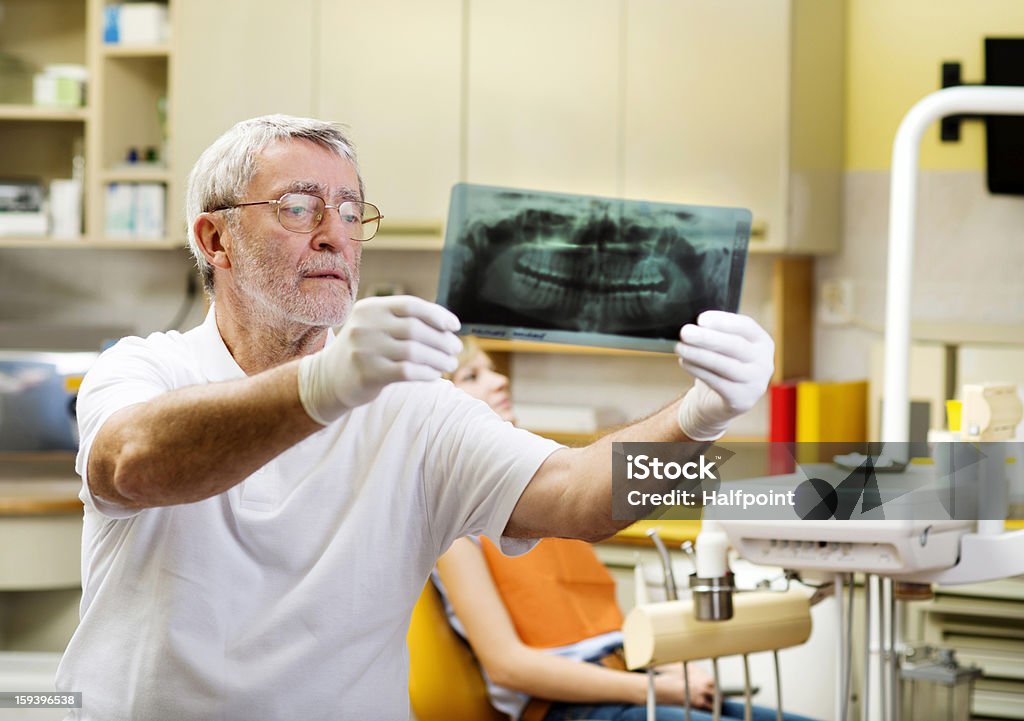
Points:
(953, 409)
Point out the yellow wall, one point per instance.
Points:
(895, 51)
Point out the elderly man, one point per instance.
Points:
(264, 501)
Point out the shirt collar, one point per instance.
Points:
(217, 362)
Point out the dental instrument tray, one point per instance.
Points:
(585, 270)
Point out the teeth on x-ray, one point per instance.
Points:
(589, 274)
(578, 263)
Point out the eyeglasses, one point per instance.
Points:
(302, 213)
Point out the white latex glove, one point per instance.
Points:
(732, 359)
(384, 340)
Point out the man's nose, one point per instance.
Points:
(331, 233)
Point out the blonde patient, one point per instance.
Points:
(545, 626)
(477, 377)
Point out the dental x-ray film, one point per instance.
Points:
(584, 270)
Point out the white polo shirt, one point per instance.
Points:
(289, 595)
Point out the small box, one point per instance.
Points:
(22, 210)
(149, 210)
(111, 22)
(120, 210)
(66, 208)
(21, 196)
(142, 23)
(60, 86)
(26, 224)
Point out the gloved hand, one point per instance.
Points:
(732, 359)
(384, 340)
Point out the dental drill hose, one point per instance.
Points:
(712, 547)
(671, 590)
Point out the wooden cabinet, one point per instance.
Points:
(984, 623)
(236, 61)
(130, 94)
(689, 101)
(127, 101)
(39, 142)
(40, 551)
(704, 107)
(738, 103)
(732, 102)
(390, 70)
(543, 95)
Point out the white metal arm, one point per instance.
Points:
(985, 100)
(987, 554)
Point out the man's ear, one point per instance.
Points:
(209, 230)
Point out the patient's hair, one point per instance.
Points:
(470, 350)
(223, 172)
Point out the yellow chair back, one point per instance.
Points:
(445, 683)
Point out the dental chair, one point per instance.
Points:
(445, 683)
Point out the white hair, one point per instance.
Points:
(222, 174)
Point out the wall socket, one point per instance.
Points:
(835, 302)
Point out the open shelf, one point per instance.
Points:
(42, 112)
(84, 243)
(136, 51)
(385, 241)
(156, 174)
(408, 235)
(493, 345)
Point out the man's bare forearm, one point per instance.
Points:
(574, 486)
(195, 442)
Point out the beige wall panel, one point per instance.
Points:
(706, 103)
(235, 60)
(390, 70)
(544, 95)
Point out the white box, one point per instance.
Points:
(60, 85)
(148, 219)
(23, 223)
(142, 23)
(120, 210)
(66, 208)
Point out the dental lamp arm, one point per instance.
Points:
(984, 555)
(902, 216)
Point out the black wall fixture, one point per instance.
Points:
(1004, 65)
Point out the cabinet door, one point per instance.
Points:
(543, 94)
(234, 61)
(706, 114)
(390, 70)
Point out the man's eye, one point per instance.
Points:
(350, 219)
(296, 210)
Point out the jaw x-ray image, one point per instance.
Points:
(586, 270)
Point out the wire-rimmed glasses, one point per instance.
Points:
(302, 213)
